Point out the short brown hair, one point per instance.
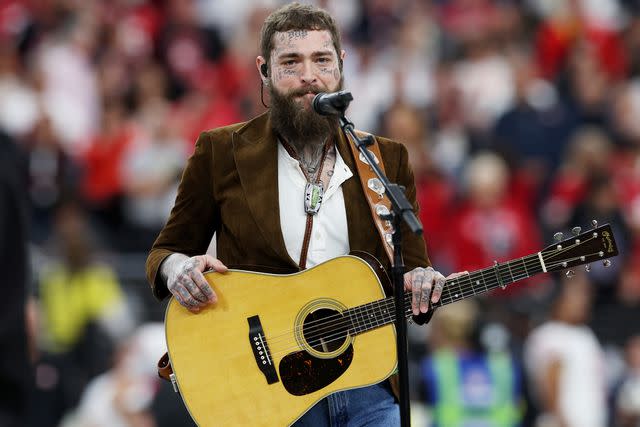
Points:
(296, 16)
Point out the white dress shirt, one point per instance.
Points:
(329, 237)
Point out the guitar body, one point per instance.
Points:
(258, 357)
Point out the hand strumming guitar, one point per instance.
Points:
(186, 282)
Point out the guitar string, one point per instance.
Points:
(468, 290)
(312, 324)
(467, 284)
(339, 336)
(533, 260)
(529, 260)
(383, 320)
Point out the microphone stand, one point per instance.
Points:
(401, 211)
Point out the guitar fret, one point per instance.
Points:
(523, 274)
(356, 321)
(525, 267)
(510, 272)
(363, 319)
(370, 315)
(484, 281)
(470, 283)
(458, 295)
(446, 294)
(351, 316)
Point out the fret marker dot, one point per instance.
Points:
(456, 295)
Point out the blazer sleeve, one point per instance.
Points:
(414, 247)
(194, 218)
(414, 250)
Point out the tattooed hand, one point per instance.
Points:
(186, 282)
(426, 285)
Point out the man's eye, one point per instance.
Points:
(323, 60)
(289, 63)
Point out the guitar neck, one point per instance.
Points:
(375, 314)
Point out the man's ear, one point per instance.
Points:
(343, 53)
(263, 69)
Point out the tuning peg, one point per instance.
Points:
(594, 223)
(606, 263)
(570, 274)
(576, 230)
(587, 268)
(558, 236)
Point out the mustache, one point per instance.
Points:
(305, 90)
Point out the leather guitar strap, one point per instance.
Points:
(374, 191)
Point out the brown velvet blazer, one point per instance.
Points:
(230, 186)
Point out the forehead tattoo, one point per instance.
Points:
(297, 34)
(286, 40)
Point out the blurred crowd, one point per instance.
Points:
(521, 117)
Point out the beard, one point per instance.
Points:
(297, 122)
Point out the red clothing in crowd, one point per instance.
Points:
(102, 166)
(435, 196)
(501, 233)
(555, 40)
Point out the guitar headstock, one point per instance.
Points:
(597, 244)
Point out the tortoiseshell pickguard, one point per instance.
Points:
(301, 373)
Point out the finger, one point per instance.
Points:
(211, 263)
(189, 284)
(418, 280)
(439, 281)
(408, 279)
(204, 286)
(425, 295)
(458, 274)
(185, 299)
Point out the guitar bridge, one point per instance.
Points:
(261, 353)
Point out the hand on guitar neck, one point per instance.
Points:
(185, 281)
(426, 285)
(188, 286)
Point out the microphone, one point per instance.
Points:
(332, 104)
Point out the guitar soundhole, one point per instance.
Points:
(325, 330)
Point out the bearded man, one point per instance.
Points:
(247, 184)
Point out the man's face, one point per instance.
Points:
(302, 64)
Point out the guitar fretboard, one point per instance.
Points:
(375, 314)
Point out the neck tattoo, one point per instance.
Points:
(314, 190)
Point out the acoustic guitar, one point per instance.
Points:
(274, 345)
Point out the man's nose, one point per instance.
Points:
(308, 75)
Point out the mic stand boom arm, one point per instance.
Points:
(401, 210)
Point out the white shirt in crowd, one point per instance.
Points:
(582, 381)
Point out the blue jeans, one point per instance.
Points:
(368, 406)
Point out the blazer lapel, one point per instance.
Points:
(256, 155)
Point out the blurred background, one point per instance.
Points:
(522, 119)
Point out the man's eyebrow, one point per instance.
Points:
(286, 55)
(323, 52)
